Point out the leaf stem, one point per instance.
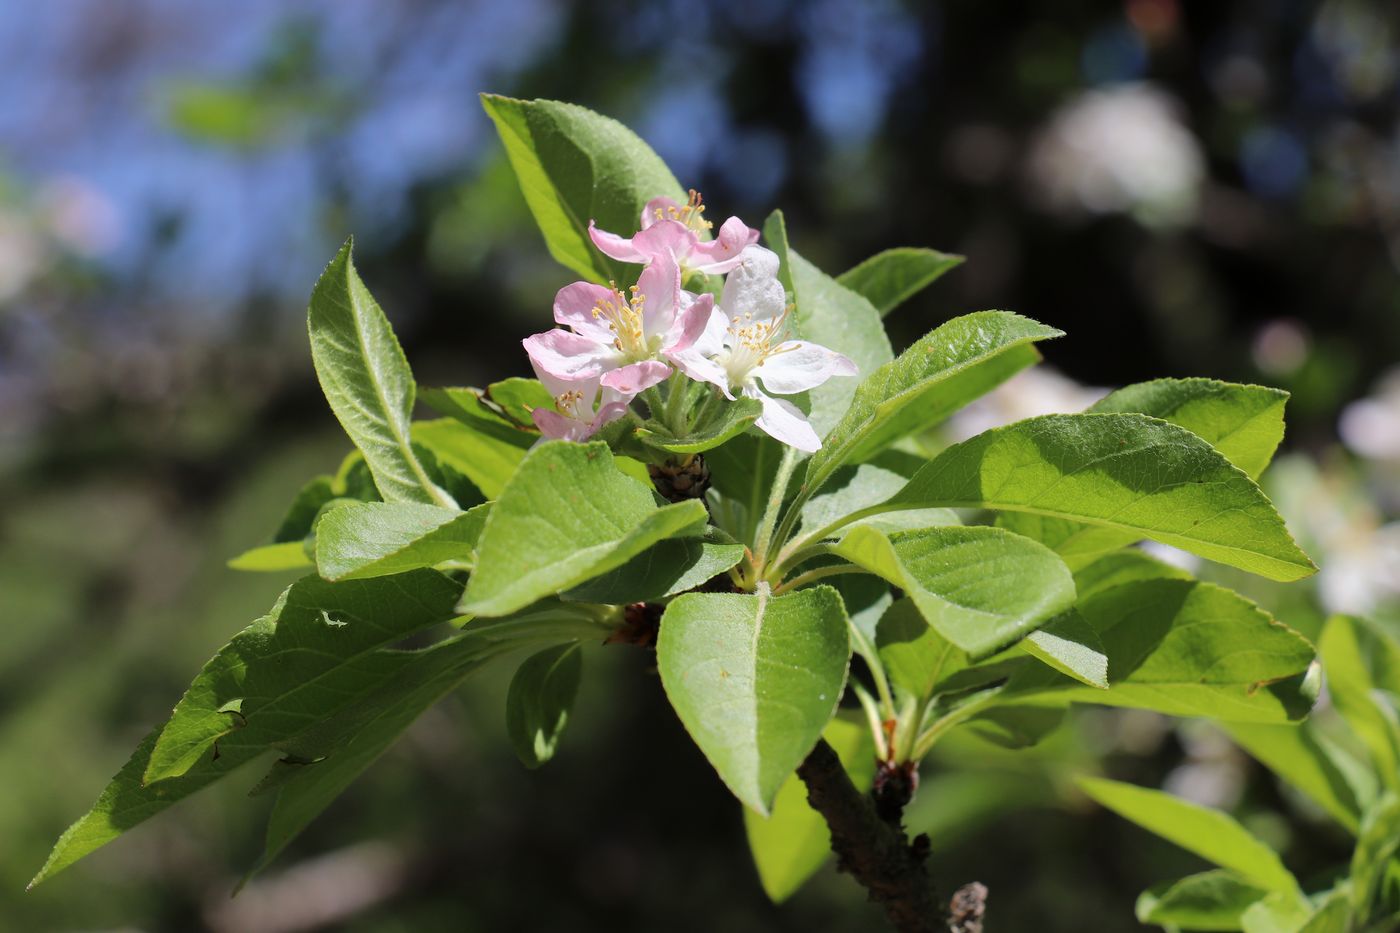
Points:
(817, 573)
(763, 537)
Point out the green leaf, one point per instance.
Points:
(665, 569)
(1130, 472)
(755, 679)
(889, 279)
(1347, 663)
(290, 555)
(1377, 853)
(916, 658)
(566, 516)
(301, 514)
(853, 489)
(488, 454)
(297, 665)
(1211, 834)
(1333, 915)
(308, 783)
(1190, 649)
(790, 845)
(376, 539)
(1123, 567)
(1300, 755)
(832, 315)
(734, 418)
(942, 372)
(1071, 646)
(1279, 912)
(575, 166)
(1211, 900)
(538, 702)
(1243, 422)
(518, 398)
(251, 670)
(367, 381)
(981, 588)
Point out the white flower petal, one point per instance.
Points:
(798, 365)
(752, 287)
(785, 422)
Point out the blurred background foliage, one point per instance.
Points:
(1203, 189)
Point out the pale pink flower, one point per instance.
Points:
(744, 350)
(671, 229)
(620, 339)
(574, 416)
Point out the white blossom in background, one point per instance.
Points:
(1031, 392)
(1119, 150)
(1370, 427)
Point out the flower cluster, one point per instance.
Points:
(612, 346)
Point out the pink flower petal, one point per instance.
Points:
(629, 380)
(659, 285)
(691, 324)
(566, 355)
(610, 244)
(724, 252)
(573, 307)
(557, 427)
(668, 238)
(658, 209)
(797, 365)
(607, 414)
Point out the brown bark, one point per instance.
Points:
(874, 850)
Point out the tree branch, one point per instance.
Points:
(876, 852)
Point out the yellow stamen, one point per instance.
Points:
(623, 315)
(691, 213)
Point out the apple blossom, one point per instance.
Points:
(744, 349)
(673, 230)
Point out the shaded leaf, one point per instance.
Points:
(791, 844)
(1301, 756)
(1350, 682)
(541, 694)
(487, 454)
(734, 418)
(665, 569)
(1211, 900)
(1211, 834)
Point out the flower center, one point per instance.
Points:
(751, 342)
(691, 213)
(625, 315)
(568, 403)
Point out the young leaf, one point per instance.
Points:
(1211, 900)
(1190, 649)
(1211, 834)
(889, 279)
(1243, 422)
(734, 419)
(367, 381)
(1129, 472)
(942, 372)
(755, 679)
(537, 705)
(299, 664)
(665, 569)
(791, 844)
(981, 588)
(270, 558)
(832, 315)
(1350, 682)
(575, 166)
(301, 514)
(1302, 757)
(487, 454)
(376, 539)
(566, 516)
